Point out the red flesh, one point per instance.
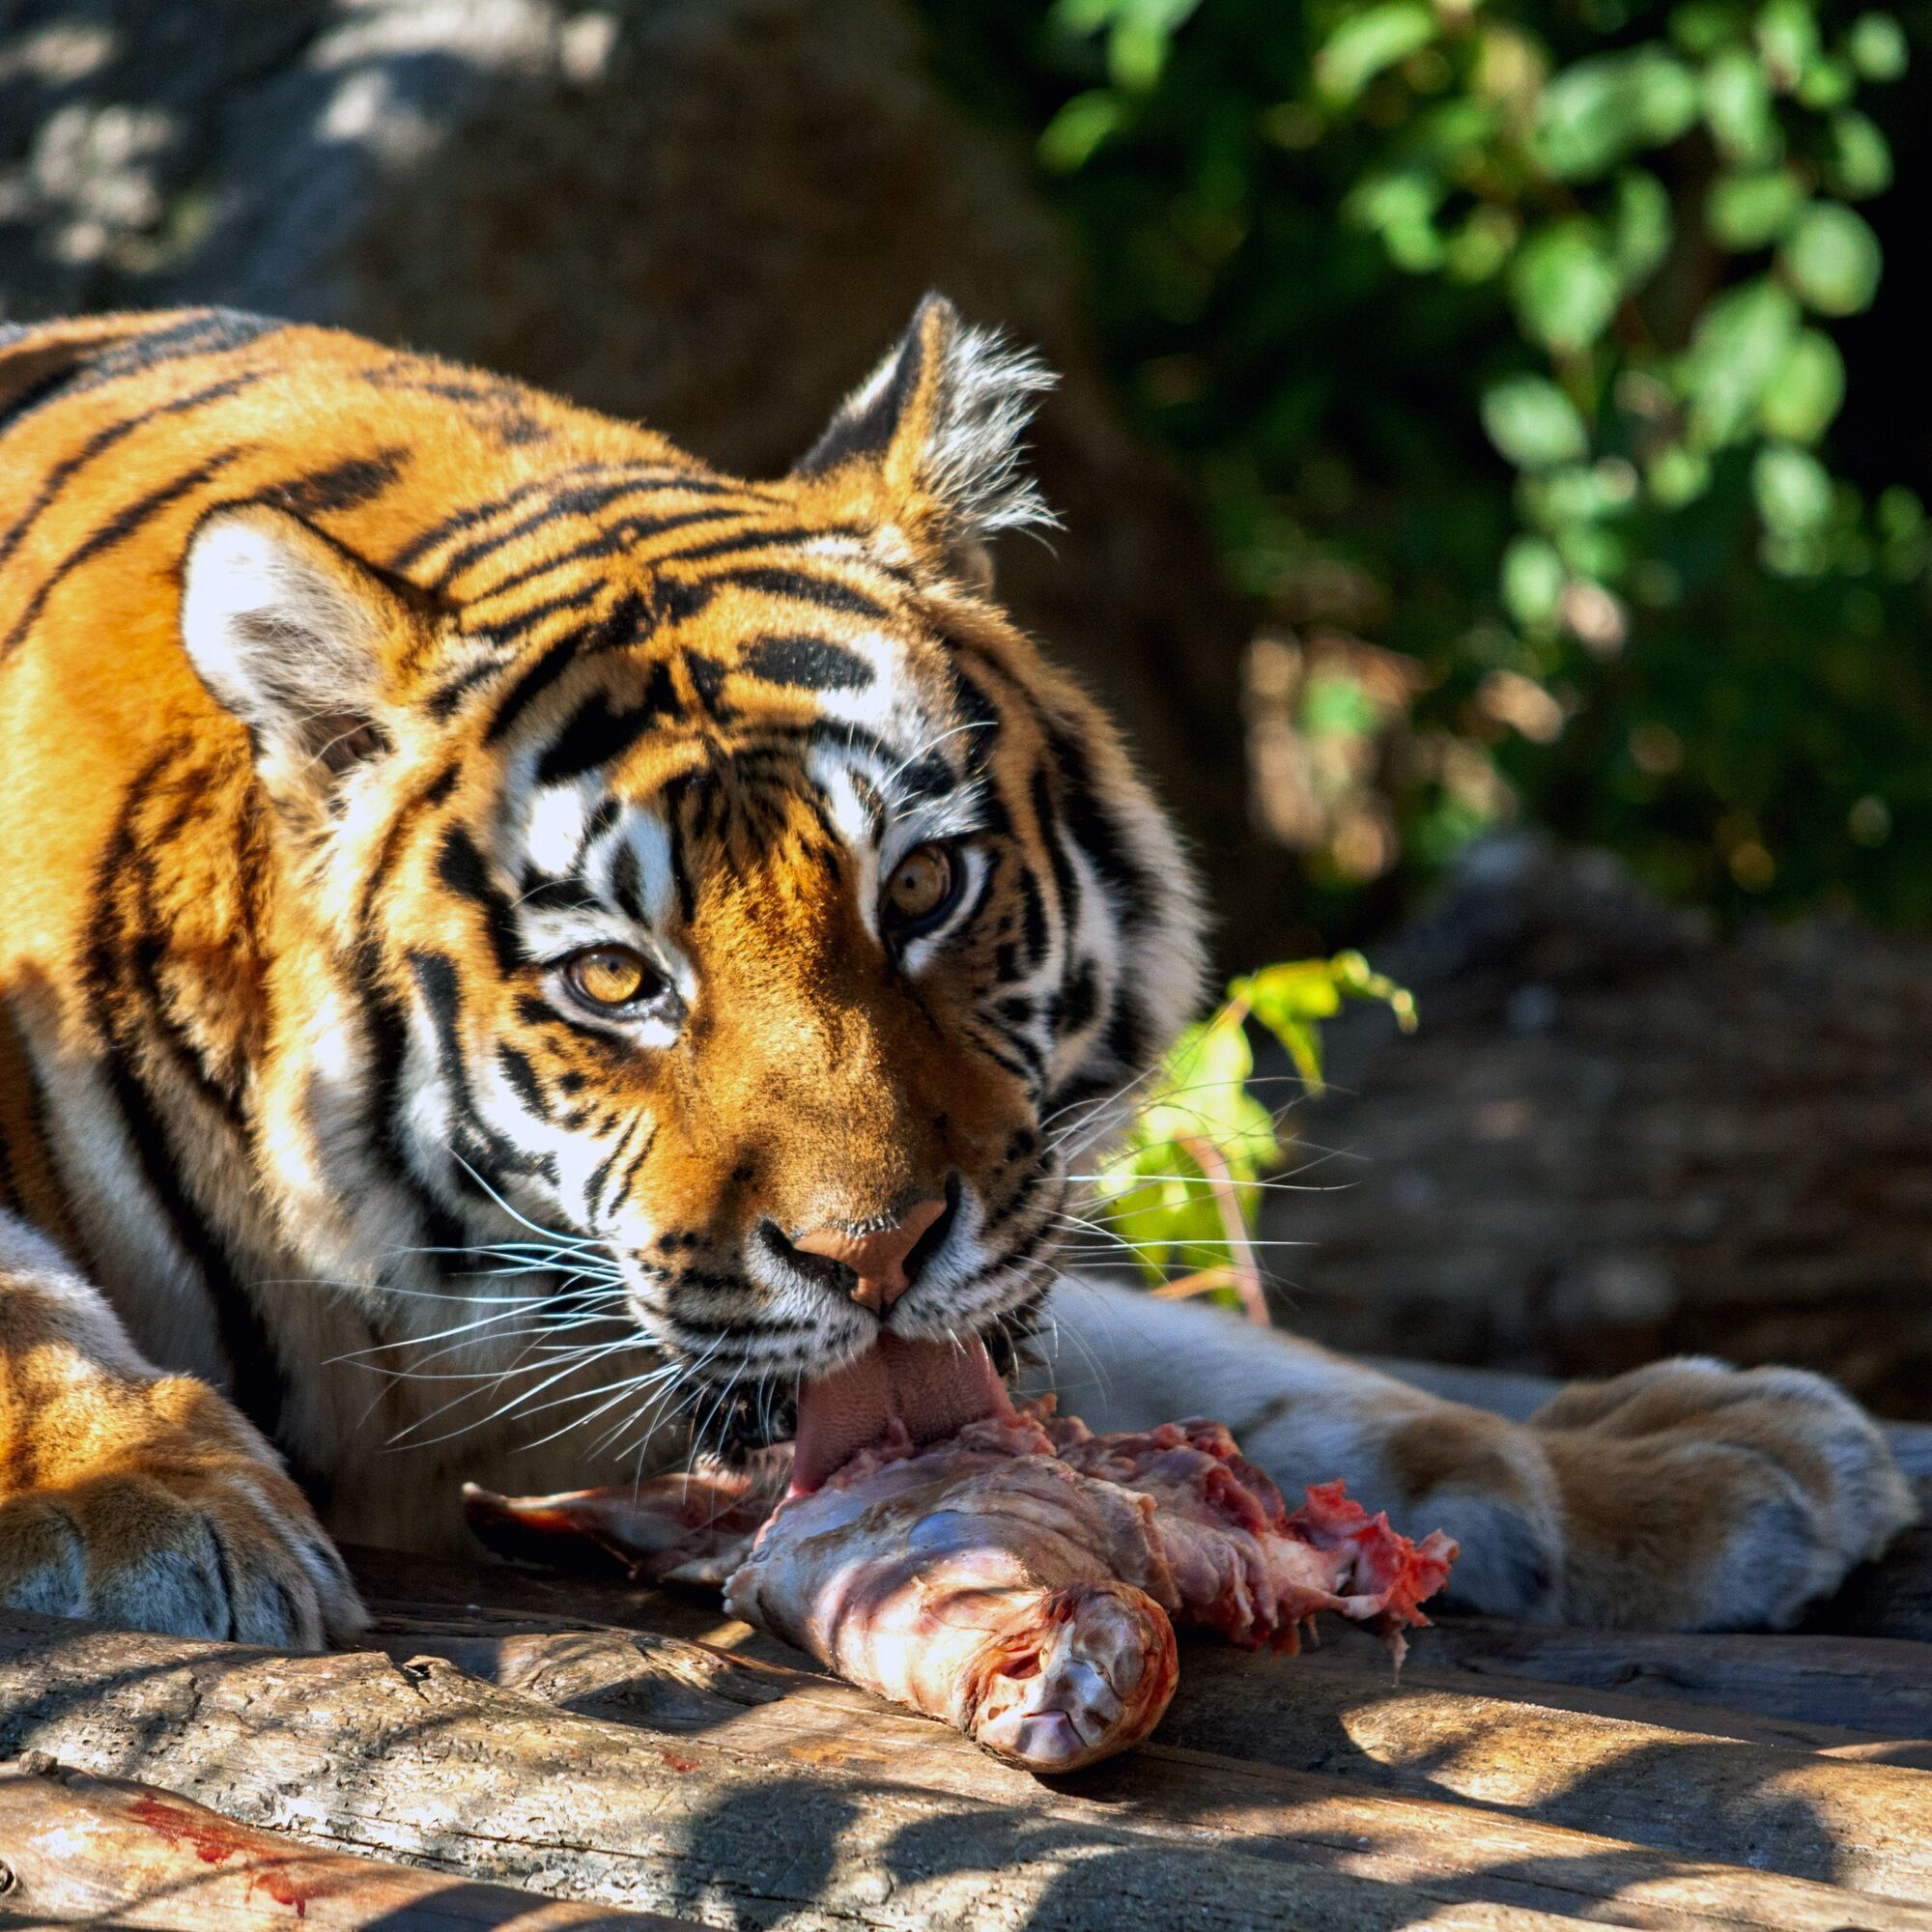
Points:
(1017, 1576)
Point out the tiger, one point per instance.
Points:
(525, 958)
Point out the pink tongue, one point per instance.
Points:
(932, 1387)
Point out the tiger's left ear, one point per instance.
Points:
(296, 639)
(934, 433)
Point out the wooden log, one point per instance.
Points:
(1657, 1779)
(674, 1681)
(1878, 1685)
(1690, 1780)
(816, 1804)
(749, 1705)
(81, 1850)
(420, 1762)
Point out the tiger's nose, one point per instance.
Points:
(875, 1254)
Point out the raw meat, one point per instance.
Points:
(1021, 1577)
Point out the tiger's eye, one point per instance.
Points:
(921, 885)
(612, 976)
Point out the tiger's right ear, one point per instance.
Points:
(931, 440)
(292, 635)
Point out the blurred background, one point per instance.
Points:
(1493, 451)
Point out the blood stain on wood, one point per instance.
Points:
(280, 1877)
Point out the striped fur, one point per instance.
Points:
(346, 698)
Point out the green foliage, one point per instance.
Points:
(1507, 339)
(1201, 1141)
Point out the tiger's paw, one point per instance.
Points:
(195, 1537)
(1699, 1496)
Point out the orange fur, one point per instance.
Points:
(344, 697)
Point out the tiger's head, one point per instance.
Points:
(709, 871)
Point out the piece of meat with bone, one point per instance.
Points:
(1021, 1577)
(980, 1579)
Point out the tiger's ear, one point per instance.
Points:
(935, 431)
(292, 635)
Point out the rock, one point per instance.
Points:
(1616, 1136)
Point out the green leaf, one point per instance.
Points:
(1737, 109)
(1580, 492)
(1069, 140)
(1678, 475)
(1793, 489)
(1833, 259)
(1878, 48)
(1805, 390)
(1143, 31)
(1478, 248)
(1860, 161)
(1751, 211)
(1736, 348)
(1787, 37)
(1640, 226)
(1533, 423)
(1532, 580)
(1826, 84)
(1335, 704)
(1701, 27)
(1292, 1001)
(1596, 111)
(1564, 287)
(1365, 44)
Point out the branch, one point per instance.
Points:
(1247, 1273)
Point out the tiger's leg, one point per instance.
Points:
(1687, 1495)
(136, 1499)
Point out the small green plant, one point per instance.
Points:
(1182, 1188)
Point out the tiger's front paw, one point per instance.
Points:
(1699, 1496)
(183, 1527)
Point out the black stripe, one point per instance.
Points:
(1064, 879)
(516, 626)
(104, 439)
(596, 734)
(115, 981)
(457, 522)
(628, 1179)
(206, 332)
(577, 501)
(981, 717)
(256, 1384)
(626, 623)
(522, 1076)
(116, 531)
(627, 883)
(472, 1138)
(683, 598)
(443, 702)
(541, 894)
(584, 500)
(356, 479)
(1033, 913)
(620, 537)
(707, 679)
(812, 663)
(463, 868)
(765, 536)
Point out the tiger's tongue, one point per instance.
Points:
(934, 1389)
